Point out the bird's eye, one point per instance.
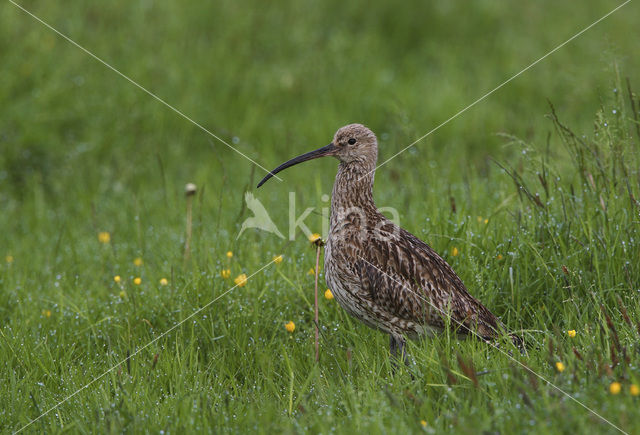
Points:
(351, 141)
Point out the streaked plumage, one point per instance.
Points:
(380, 273)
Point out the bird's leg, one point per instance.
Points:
(393, 346)
(397, 344)
(403, 351)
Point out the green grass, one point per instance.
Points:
(84, 151)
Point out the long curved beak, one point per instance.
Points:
(328, 150)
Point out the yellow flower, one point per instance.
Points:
(571, 333)
(225, 273)
(123, 294)
(499, 256)
(278, 259)
(240, 280)
(615, 388)
(137, 261)
(455, 251)
(229, 254)
(137, 281)
(311, 271)
(314, 237)
(634, 390)
(163, 281)
(479, 219)
(104, 237)
(560, 367)
(423, 423)
(486, 221)
(328, 294)
(46, 313)
(290, 326)
(117, 278)
(9, 259)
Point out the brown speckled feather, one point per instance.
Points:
(416, 285)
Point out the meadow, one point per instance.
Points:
(532, 195)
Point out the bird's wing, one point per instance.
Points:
(409, 280)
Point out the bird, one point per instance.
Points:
(382, 274)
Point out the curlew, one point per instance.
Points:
(380, 273)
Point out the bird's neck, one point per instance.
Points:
(352, 191)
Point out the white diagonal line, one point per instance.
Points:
(496, 88)
(496, 347)
(133, 82)
(140, 349)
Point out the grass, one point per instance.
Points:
(85, 152)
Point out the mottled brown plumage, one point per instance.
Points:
(380, 273)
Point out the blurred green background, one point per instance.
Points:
(280, 79)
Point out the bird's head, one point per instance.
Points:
(353, 143)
